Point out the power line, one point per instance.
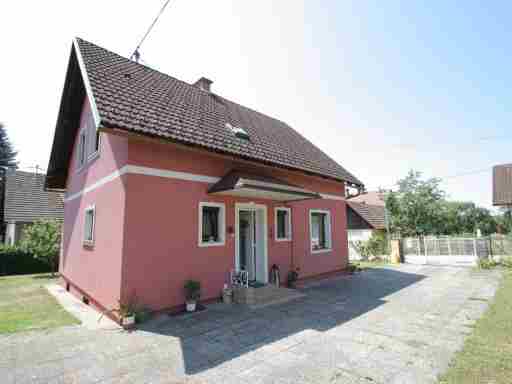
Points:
(454, 176)
(136, 53)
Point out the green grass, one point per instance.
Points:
(26, 305)
(487, 353)
(372, 264)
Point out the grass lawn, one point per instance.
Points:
(372, 264)
(25, 304)
(487, 353)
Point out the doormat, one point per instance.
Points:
(256, 284)
(199, 308)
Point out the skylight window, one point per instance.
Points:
(238, 132)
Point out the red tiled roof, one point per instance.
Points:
(136, 98)
(372, 214)
(371, 198)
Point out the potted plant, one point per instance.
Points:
(127, 315)
(126, 312)
(192, 294)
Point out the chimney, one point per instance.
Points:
(204, 84)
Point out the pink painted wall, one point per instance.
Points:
(96, 270)
(146, 230)
(161, 230)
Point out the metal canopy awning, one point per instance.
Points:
(243, 184)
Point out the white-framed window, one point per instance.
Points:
(82, 148)
(283, 223)
(212, 224)
(95, 140)
(89, 141)
(89, 222)
(320, 230)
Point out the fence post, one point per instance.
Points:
(449, 240)
(474, 248)
(425, 247)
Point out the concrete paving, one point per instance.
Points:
(88, 316)
(387, 325)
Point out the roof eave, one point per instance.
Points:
(76, 86)
(115, 129)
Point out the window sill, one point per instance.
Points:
(212, 244)
(284, 239)
(88, 244)
(321, 250)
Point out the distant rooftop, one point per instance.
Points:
(27, 201)
(370, 198)
(502, 185)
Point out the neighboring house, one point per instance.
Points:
(167, 181)
(362, 221)
(370, 198)
(502, 185)
(26, 201)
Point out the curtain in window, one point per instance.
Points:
(318, 230)
(281, 224)
(89, 217)
(321, 237)
(210, 224)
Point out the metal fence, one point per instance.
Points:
(446, 250)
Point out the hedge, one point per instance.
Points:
(14, 261)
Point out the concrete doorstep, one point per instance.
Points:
(88, 316)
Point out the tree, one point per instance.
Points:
(504, 221)
(466, 218)
(42, 240)
(419, 208)
(7, 152)
(414, 210)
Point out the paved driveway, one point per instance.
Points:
(387, 325)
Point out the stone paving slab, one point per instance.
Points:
(387, 325)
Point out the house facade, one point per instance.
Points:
(363, 220)
(166, 181)
(26, 201)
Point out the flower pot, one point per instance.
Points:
(191, 306)
(128, 321)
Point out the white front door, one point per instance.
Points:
(251, 241)
(247, 248)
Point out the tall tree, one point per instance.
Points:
(419, 208)
(415, 208)
(7, 152)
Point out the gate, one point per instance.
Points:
(445, 251)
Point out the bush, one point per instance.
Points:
(42, 240)
(376, 245)
(486, 263)
(16, 261)
(507, 262)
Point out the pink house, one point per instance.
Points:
(167, 181)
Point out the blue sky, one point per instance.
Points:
(429, 84)
(382, 87)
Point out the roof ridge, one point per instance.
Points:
(182, 81)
